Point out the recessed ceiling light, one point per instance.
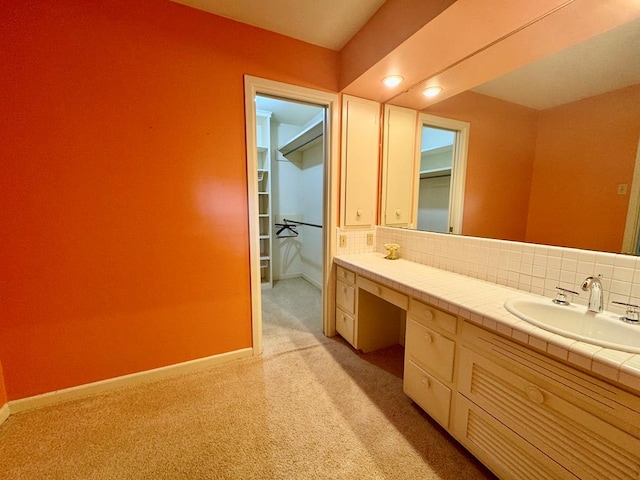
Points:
(392, 80)
(431, 91)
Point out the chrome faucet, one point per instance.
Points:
(594, 287)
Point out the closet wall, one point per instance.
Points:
(297, 195)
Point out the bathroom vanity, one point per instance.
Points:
(527, 403)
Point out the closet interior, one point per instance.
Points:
(290, 189)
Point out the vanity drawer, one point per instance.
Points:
(346, 297)
(345, 275)
(391, 296)
(586, 445)
(424, 389)
(432, 317)
(345, 325)
(430, 350)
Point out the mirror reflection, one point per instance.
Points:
(552, 148)
(436, 160)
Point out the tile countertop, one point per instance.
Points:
(482, 303)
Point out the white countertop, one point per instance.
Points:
(482, 303)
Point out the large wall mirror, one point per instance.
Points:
(553, 146)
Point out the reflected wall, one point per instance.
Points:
(549, 176)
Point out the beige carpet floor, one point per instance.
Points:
(309, 408)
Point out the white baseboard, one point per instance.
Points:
(4, 413)
(287, 276)
(304, 276)
(312, 281)
(110, 384)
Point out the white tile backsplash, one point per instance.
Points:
(529, 267)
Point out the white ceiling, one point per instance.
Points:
(327, 23)
(286, 111)
(601, 64)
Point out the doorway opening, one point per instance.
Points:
(292, 198)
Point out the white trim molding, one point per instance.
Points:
(111, 384)
(4, 413)
(459, 167)
(254, 86)
(630, 240)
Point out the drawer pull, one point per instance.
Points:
(428, 315)
(428, 339)
(535, 394)
(344, 290)
(425, 382)
(378, 291)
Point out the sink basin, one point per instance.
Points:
(574, 321)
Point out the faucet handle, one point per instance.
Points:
(561, 296)
(632, 314)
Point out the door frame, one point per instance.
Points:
(255, 86)
(631, 237)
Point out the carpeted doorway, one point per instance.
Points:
(291, 316)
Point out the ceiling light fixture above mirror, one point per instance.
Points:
(393, 80)
(431, 91)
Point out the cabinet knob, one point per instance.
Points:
(425, 382)
(398, 212)
(428, 315)
(428, 338)
(359, 212)
(535, 394)
(344, 289)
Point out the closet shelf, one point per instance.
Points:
(437, 150)
(305, 139)
(435, 172)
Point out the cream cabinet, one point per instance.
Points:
(430, 348)
(522, 413)
(345, 304)
(528, 416)
(369, 316)
(360, 159)
(398, 165)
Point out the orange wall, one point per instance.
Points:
(392, 24)
(499, 163)
(124, 218)
(589, 147)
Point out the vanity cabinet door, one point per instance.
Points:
(584, 444)
(499, 448)
(360, 159)
(398, 165)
